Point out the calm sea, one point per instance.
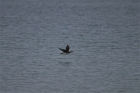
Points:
(104, 35)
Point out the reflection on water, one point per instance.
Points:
(103, 35)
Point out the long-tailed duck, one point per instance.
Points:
(66, 51)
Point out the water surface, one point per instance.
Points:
(104, 36)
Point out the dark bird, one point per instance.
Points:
(66, 51)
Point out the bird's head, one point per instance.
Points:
(71, 51)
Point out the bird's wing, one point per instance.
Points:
(67, 48)
(62, 49)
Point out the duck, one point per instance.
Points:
(66, 51)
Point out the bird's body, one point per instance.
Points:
(66, 51)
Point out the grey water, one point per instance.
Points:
(104, 35)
